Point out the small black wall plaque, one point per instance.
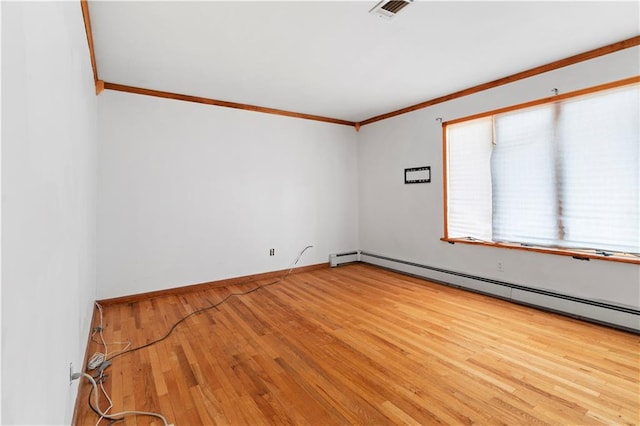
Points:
(417, 175)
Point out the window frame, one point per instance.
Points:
(575, 253)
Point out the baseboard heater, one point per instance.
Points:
(342, 258)
(621, 317)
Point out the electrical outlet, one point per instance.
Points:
(500, 267)
(272, 252)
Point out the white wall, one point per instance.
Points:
(406, 221)
(48, 208)
(191, 193)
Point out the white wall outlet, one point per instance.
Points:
(272, 252)
(500, 267)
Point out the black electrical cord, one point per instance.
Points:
(181, 320)
(207, 308)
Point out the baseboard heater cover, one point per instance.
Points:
(337, 259)
(622, 317)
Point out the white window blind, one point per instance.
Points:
(600, 155)
(523, 171)
(564, 174)
(469, 204)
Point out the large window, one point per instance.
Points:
(560, 174)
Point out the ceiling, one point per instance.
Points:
(333, 58)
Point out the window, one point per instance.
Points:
(562, 173)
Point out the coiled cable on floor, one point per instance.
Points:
(113, 416)
(93, 393)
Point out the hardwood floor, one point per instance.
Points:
(358, 344)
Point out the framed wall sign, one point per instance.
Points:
(417, 175)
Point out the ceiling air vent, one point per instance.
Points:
(387, 9)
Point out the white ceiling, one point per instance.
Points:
(334, 59)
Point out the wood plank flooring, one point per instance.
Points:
(362, 345)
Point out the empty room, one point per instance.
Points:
(320, 212)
